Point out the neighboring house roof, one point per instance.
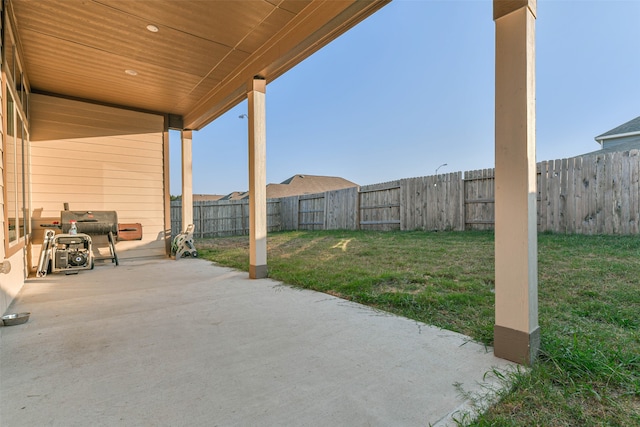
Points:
(621, 138)
(307, 184)
(206, 197)
(632, 127)
(236, 195)
(623, 146)
(298, 185)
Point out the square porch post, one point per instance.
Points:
(516, 331)
(257, 179)
(187, 178)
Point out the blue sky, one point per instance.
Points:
(412, 87)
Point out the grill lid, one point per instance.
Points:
(90, 222)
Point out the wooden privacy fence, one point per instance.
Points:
(227, 218)
(433, 202)
(592, 194)
(595, 194)
(478, 199)
(332, 210)
(379, 206)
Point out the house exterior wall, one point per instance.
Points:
(98, 158)
(6, 291)
(613, 142)
(9, 285)
(12, 253)
(12, 282)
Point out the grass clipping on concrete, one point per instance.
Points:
(588, 372)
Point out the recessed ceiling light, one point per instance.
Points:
(131, 72)
(152, 28)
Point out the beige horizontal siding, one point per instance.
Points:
(95, 155)
(98, 158)
(57, 176)
(122, 153)
(82, 189)
(82, 132)
(107, 169)
(88, 119)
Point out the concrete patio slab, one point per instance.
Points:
(173, 343)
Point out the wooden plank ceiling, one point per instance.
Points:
(196, 65)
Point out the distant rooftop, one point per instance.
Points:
(298, 185)
(206, 197)
(613, 148)
(622, 138)
(236, 195)
(629, 128)
(307, 184)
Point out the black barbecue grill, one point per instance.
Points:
(94, 223)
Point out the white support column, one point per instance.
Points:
(187, 178)
(516, 331)
(167, 182)
(257, 179)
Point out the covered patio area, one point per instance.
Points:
(159, 342)
(102, 83)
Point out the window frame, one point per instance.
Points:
(20, 185)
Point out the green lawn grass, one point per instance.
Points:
(588, 372)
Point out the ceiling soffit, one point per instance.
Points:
(197, 64)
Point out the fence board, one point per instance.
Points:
(489, 184)
(552, 201)
(570, 201)
(589, 166)
(546, 177)
(589, 199)
(562, 201)
(634, 191)
(600, 190)
(432, 208)
(543, 199)
(485, 187)
(553, 182)
(615, 178)
(609, 200)
(614, 185)
(548, 191)
(575, 194)
(460, 203)
(625, 187)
